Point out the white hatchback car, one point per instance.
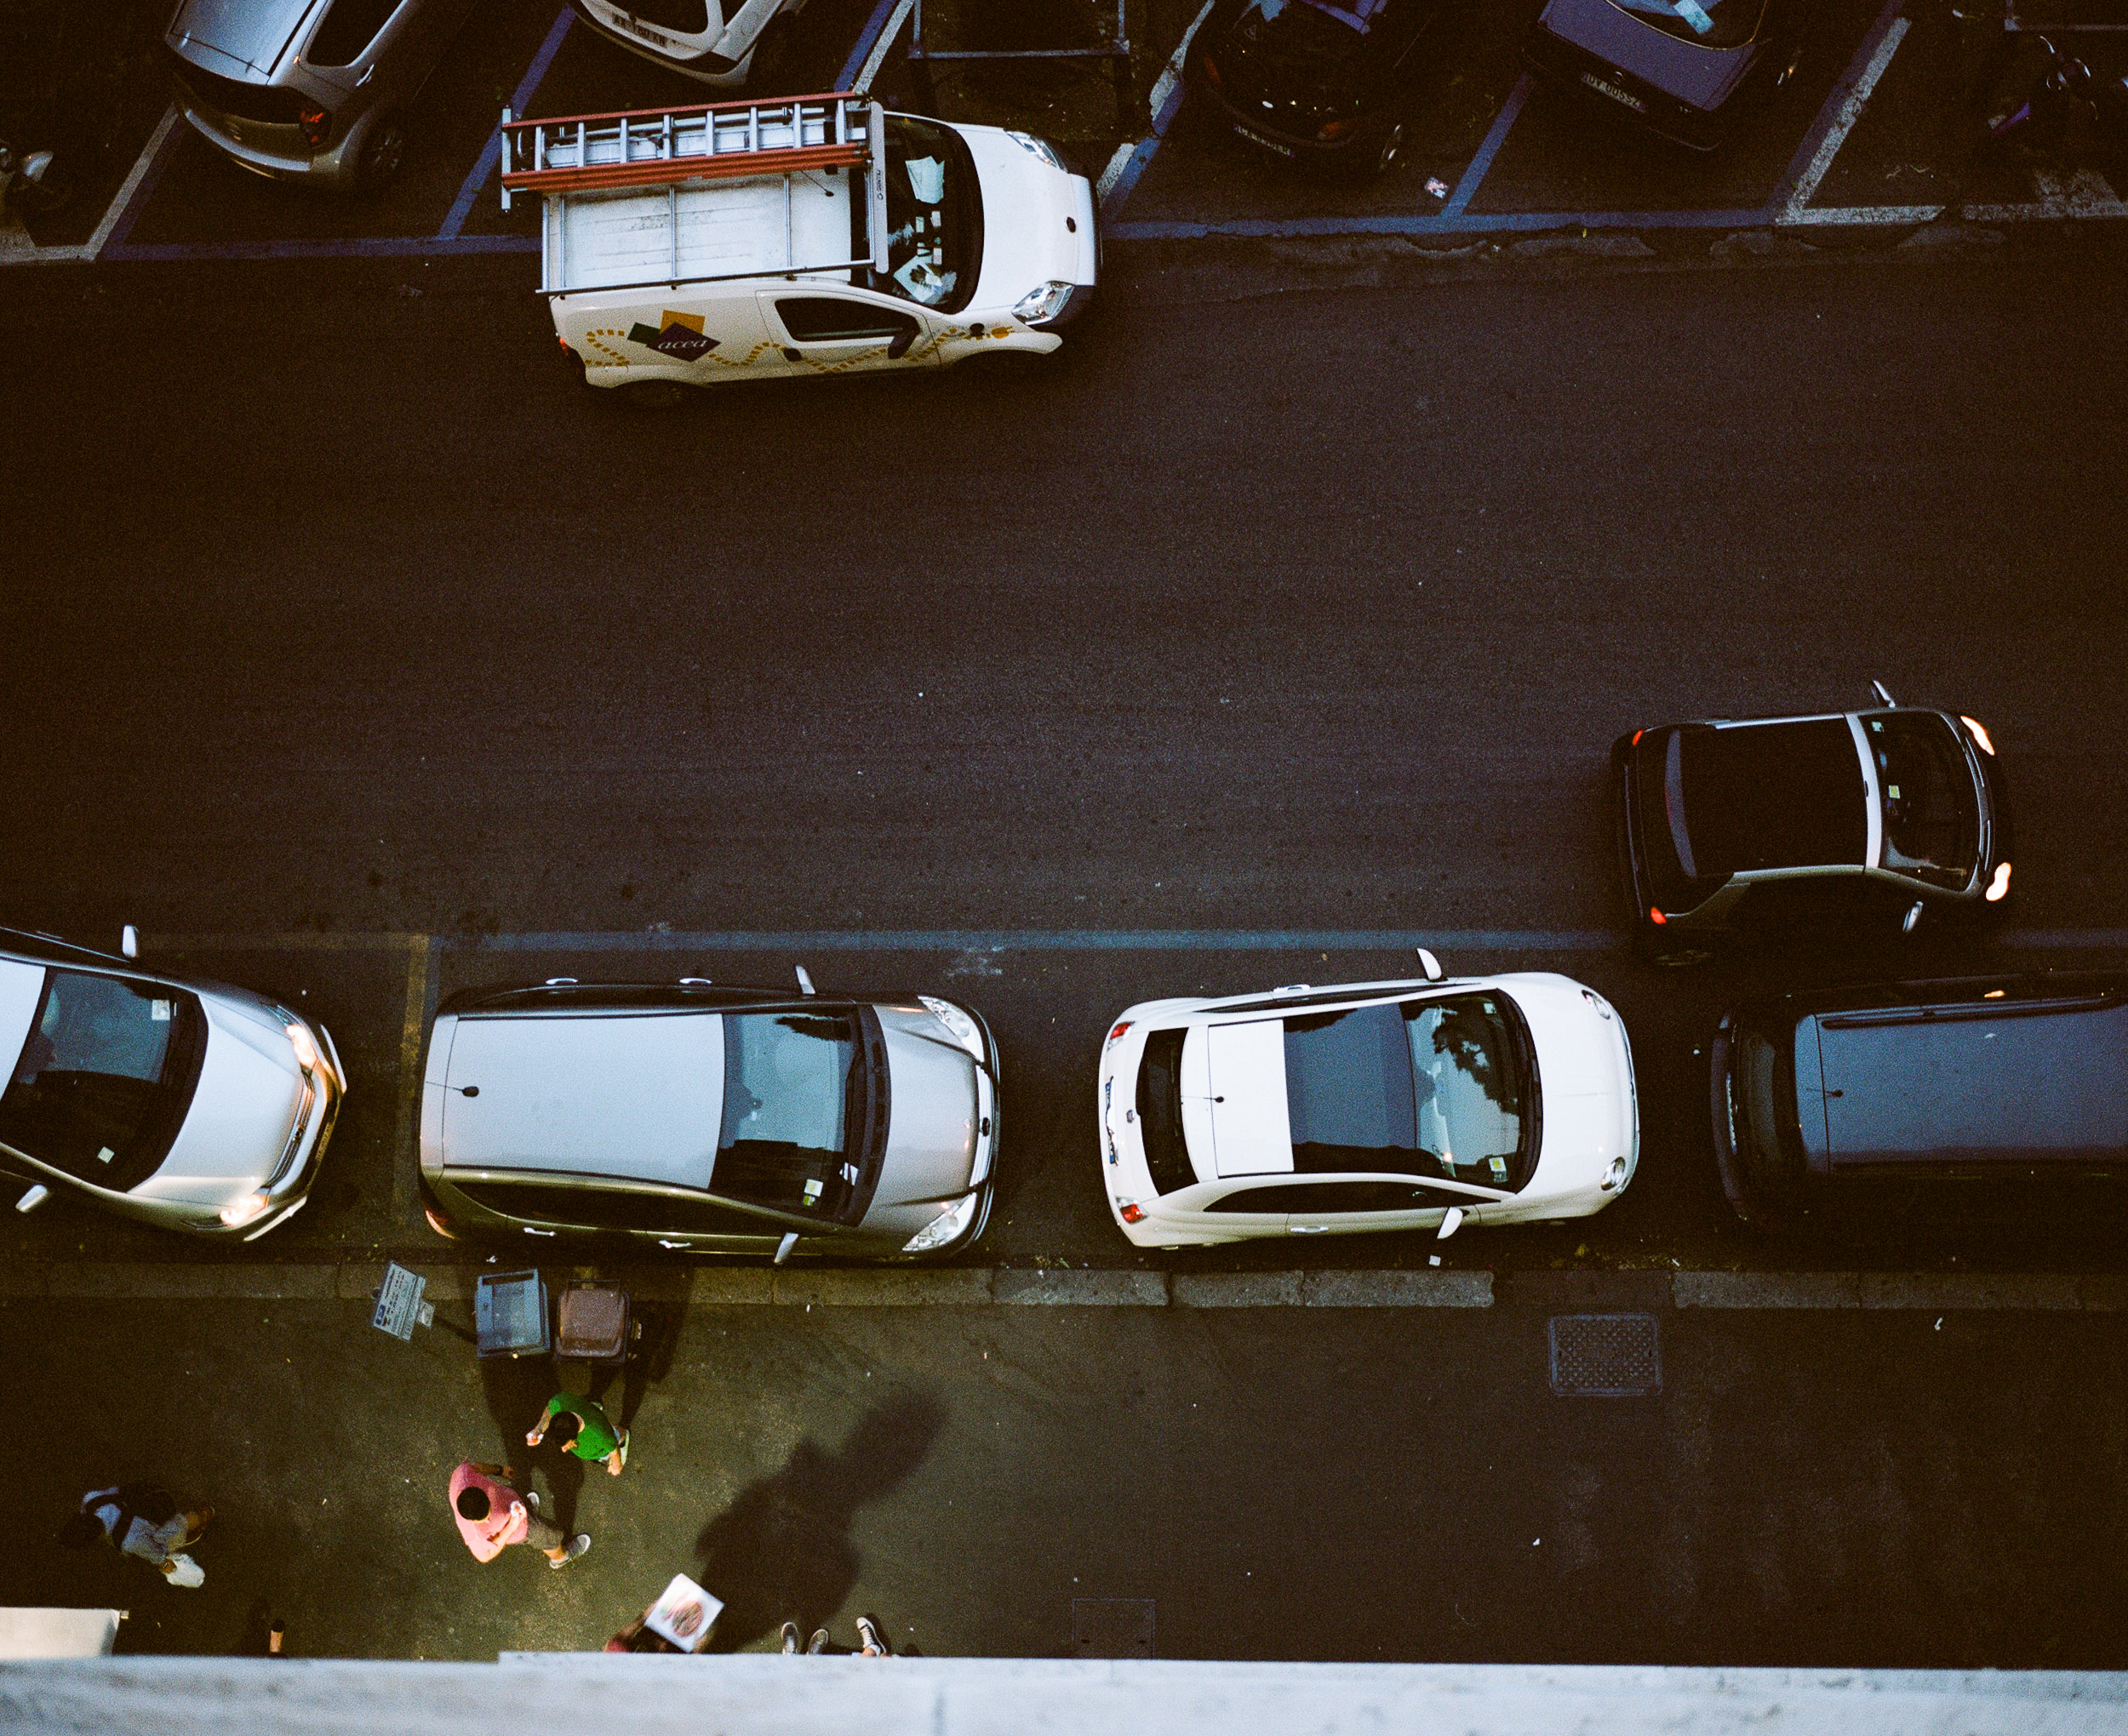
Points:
(190, 1106)
(1392, 1106)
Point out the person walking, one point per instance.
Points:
(145, 1520)
(492, 1516)
(580, 1426)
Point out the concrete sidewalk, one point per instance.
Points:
(1840, 1486)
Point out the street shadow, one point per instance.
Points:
(649, 1360)
(782, 1550)
(517, 1389)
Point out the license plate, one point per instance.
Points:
(1614, 93)
(1268, 143)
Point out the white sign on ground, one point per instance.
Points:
(400, 1308)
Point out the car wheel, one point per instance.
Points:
(1389, 149)
(653, 394)
(382, 153)
(766, 73)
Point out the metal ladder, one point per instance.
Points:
(662, 147)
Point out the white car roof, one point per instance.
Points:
(21, 985)
(635, 1096)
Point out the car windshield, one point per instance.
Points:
(933, 216)
(1932, 810)
(1713, 23)
(1311, 49)
(790, 1104)
(105, 1077)
(1430, 1088)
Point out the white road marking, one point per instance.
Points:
(1163, 90)
(1124, 154)
(138, 172)
(877, 57)
(1850, 112)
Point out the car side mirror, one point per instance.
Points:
(784, 1248)
(1884, 696)
(1430, 965)
(1451, 1221)
(34, 1198)
(805, 980)
(1911, 919)
(129, 941)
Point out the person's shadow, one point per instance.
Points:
(517, 1389)
(782, 1550)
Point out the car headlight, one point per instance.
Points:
(1614, 1177)
(1602, 1005)
(243, 1211)
(305, 1046)
(965, 1030)
(1979, 736)
(1036, 148)
(1039, 306)
(1999, 888)
(948, 1226)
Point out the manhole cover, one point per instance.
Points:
(1606, 1356)
(1112, 1627)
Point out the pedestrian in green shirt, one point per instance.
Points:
(580, 1427)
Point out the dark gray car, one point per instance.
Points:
(696, 1117)
(311, 90)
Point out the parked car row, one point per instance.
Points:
(1329, 83)
(703, 1117)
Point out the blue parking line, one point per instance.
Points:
(1463, 223)
(1060, 940)
(1474, 171)
(868, 39)
(115, 242)
(1149, 147)
(491, 153)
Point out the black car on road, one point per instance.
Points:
(1681, 68)
(1308, 80)
(1903, 1103)
(1844, 821)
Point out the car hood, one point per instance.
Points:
(1025, 205)
(1585, 1075)
(930, 1151)
(236, 37)
(242, 1112)
(638, 1097)
(1704, 77)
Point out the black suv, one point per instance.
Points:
(1915, 1101)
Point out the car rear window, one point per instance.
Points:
(1713, 23)
(1160, 1111)
(349, 27)
(105, 1077)
(274, 104)
(689, 17)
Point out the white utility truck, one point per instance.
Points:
(808, 235)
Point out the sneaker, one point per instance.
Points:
(622, 1451)
(868, 1631)
(818, 1643)
(790, 1637)
(577, 1546)
(532, 1499)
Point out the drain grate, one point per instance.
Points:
(1112, 1627)
(1606, 1356)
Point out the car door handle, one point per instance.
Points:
(1307, 1228)
(663, 1242)
(530, 1231)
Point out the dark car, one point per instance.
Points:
(1311, 81)
(1908, 1102)
(1845, 821)
(1681, 68)
(695, 1117)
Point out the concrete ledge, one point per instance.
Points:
(948, 1287)
(1082, 1289)
(1766, 1290)
(1425, 1289)
(1943, 1292)
(1955, 1290)
(1237, 1289)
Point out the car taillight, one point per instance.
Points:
(316, 124)
(1211, 72)
(1656, 915)
(438, 1224)
(1334, 130)
(1133, 1213)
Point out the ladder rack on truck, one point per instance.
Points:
(650, 190)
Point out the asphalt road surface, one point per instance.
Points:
(336, 611)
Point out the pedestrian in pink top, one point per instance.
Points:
(492, 1516)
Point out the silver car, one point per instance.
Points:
(189, 1105)
(695, 1117)
(313, 90)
